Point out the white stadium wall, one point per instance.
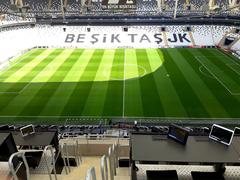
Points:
(203, 35)
(236, 46)
(218, 32)
(16, 40)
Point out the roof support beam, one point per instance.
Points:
(65, 3)
(62, 8)
(232, 3)
(175, 9)
(212, 5)
(19, 3)
(161, 4)
(49, 4)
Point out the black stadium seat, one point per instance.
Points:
(162, 175)
(206, 176)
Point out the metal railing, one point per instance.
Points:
(70, 150)
(12, 168)
(21, 154)
(91, 174)
(104, 168)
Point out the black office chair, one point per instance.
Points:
(162, 175)
(206, 176)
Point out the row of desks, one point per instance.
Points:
(147, 149)
(9, 143)
(37, 139)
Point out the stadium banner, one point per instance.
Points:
(128, 39)
(119, 4)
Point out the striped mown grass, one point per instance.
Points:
(53, 85)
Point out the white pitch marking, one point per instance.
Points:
(123, 112)
(235, 94)
(108, 68)
(134, 117)
(12, 62)
(230, 66)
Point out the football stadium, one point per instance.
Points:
(119, 89)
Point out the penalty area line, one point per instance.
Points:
(231, 67)
(222, 83)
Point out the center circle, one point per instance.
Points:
(129, 71)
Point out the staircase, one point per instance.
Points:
(81, 171)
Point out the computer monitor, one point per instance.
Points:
(178, 133)
(27, 130)
(221, 134)
(236, 131)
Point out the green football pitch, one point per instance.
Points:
(57, 85)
